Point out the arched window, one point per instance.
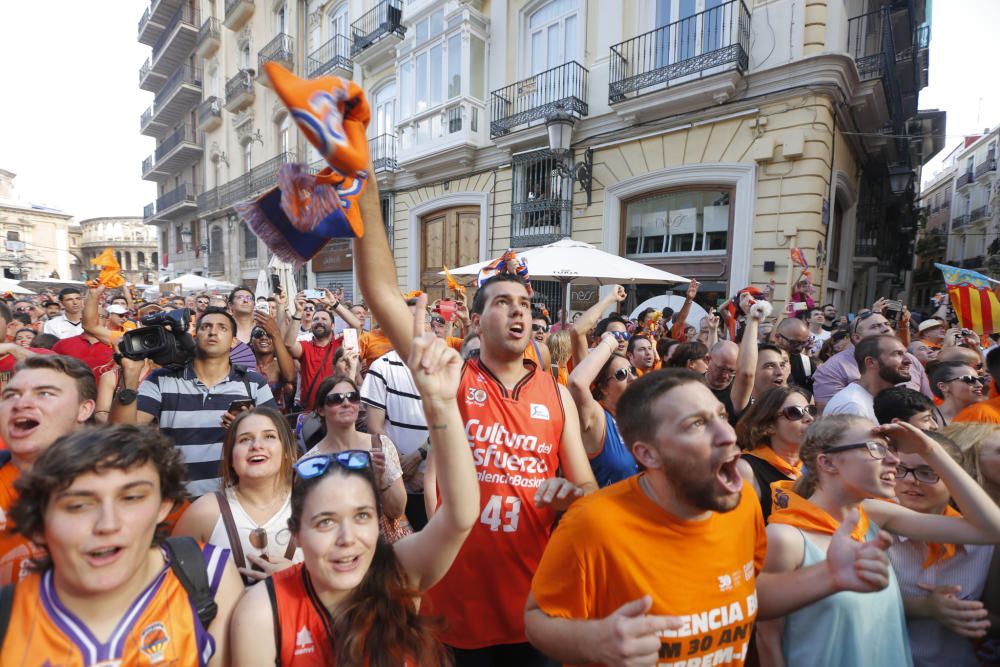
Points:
(141, 258)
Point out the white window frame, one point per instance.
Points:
(524, 27)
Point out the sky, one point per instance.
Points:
(69, 117)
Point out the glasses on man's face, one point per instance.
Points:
(923, 474)
(340, 397)
(794, 342)
(794, 413)
(622, 373)
(316, 466)
(202, 302)
(968, 379)
(245, 298)
(539, 328)
(23, 309)
(877, 450)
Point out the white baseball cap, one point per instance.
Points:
(930, 324)
(117, 309)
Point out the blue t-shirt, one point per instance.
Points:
(615, 461)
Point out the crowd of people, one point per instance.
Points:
(302, 480)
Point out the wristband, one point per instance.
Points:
(297, 319)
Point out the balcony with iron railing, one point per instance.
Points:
(383, 20)
(870, 43)
(987, 166)
(210, 113)
(707, 43)
(179, 94)
(238, 12)
(382, 151)
(334, 57)
(148, 124)
(177, 202)
(149, 30)
(149, 211)
(148, 79)
(209, 38)
(177, 40)
(178, 150)
(979, 213)
(532, 99)
(540, 221)
(961, 220)
(258, 179)
(965, 179)
(239, 91)
(279, 50)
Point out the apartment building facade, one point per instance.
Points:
(974, 239)
(705, 137)
(38, 241)
(932, 240)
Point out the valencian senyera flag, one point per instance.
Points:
(973, 299)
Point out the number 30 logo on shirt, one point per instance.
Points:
(476, 396)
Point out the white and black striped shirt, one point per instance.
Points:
(389, 387)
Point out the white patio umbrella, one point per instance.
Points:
(12, 286)
(190, 282)
(576, 262)
(674, 301)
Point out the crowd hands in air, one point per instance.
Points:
(392, 482)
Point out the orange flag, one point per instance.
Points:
(111, 271)
(451, 282)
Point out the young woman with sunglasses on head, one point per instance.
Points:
(849, 464)
(250, 515)
(354, 599)
(274, 361)
(338, 403)
(596, 384)
(958, 385)
(770, 433)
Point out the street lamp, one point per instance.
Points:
(559, 125)
(900, 178)
(186, 237)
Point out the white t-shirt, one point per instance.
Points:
(389, 386)
(819, 339)
(61, 328)
(852, 400)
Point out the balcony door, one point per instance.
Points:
(688, 28)
(339, 26)
(553, 35)
(450, 238)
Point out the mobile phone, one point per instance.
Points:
(351, 340)
(263, 307)
(799, 306)
(314, 294)
(893, 308)
(447, 308)
(239, 405)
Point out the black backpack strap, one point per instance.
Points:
(6, 606)
(188, 565)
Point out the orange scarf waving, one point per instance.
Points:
(937, 553)
(765, 453)
(794, 510)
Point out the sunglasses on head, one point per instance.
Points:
(316, 466)
(968, 379)
(259, 333)
(794, 413)
(339, 397)
(622, 373)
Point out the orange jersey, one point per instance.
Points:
(617, 545)
(160, 626)
(515, 437)
(372, 345)
(15, 550)
(987, 412)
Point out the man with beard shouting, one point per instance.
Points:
(316, 356)
(883, 363)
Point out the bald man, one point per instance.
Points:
(792, 335)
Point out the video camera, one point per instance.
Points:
(163, 338)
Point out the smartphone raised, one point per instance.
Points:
(351, 340)
(239, 405)
(313, 294)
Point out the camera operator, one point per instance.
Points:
(190, 403)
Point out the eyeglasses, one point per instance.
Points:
(24, 309)
(793, 342)
(622, 373)
(259, 333)
(923, 474)
(340, 397)
(245, 298)
(316, 466)
(539, 328)
(309, 309)
(621, 335)
(794, 413)
(877, 450)
(968, 379)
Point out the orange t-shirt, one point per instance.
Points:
(987, 412)
(515, 437)
(372, 345)
(616, 545)
(15, 550)
(455, 343)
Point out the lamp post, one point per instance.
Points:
(900, 178)
(559, 124)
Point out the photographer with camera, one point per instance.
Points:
(191, 401)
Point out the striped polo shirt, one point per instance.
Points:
(389, 386)
(190, 414)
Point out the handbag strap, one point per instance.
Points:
(312, 385)
(290, 549)
(234, 537)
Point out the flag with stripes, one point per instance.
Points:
(973, 299)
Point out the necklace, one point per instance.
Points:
(262, 508)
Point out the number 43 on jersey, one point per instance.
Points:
(501, 511)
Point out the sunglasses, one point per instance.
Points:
(340, 397)
(877, 450)
(309, 309)
(622, 373)
(259, 333)
(621, 335)
(437, 319)
(539, 328)
(968, 379)
(923, 474)
(794, 413)
(316, 466)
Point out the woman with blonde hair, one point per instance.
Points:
(560, 348)
(849, 464)
(980, 445)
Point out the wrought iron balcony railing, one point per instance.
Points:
(535, 97)
(208, 110)
(961, 220)
(185, 74)
(706, 43)
(539, 221)
(178, 136)
(979, 213)
(147, 116)
(144, 70)
(239, 84)
(183, 14)
(147, 165)
(385, 18)
(382, 150)
(181, 193)
(281, 49)
(870, 43)
(256, 180)
(965, 179)
(988, 165)
(333, 55)
(237, 7)
(144, 20)
(210, 29)
(149, 211)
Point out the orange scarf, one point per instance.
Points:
(937, 553)
(765, 453)
(792, 509)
